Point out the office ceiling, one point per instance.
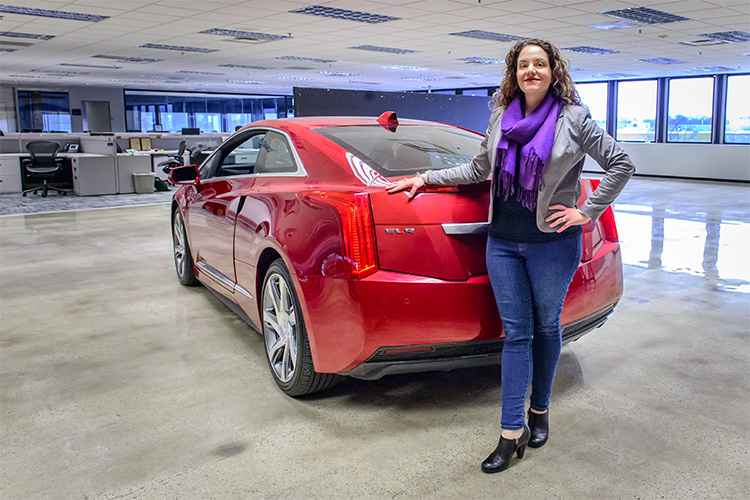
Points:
(263, 46)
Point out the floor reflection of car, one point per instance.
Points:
(289, 224)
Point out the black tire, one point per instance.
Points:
(183, 260)
(285, 336)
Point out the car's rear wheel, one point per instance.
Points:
(183, 260)
(285, 336)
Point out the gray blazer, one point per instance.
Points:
(576, 136)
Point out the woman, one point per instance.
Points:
(537, 138)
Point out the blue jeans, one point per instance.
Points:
(530, 281)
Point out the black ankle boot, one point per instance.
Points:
(499, 460)
(539, 425)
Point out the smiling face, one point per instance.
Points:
(533, 72)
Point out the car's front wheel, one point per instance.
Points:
(285, 336)
(183, 261)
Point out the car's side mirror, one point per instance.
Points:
(187, 174)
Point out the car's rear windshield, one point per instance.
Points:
(410, 149)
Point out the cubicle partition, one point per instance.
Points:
(97, 167)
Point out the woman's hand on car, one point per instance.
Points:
(410, 183)
(567, 217)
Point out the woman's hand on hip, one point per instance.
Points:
(566, 217)
(410, 183)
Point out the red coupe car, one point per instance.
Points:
(288, 222)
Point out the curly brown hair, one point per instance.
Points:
(562, 85)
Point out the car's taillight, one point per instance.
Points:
(607, 219)
(358, 230)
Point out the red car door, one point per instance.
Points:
(212, 209)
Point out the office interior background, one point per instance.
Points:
(181, 406)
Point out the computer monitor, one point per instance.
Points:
(191, 131)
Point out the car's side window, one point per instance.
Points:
(275, 155)
(242, 160)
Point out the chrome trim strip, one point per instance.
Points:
(466, 228)
(216, 275)
(238, 288)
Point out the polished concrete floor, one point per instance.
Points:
(116, 382)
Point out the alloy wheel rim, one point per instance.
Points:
(280, 327)
(179, 245)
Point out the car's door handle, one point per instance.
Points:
(466, 228)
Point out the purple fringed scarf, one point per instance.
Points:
(535, 134)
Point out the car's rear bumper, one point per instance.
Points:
(434, 357)
(351, 322)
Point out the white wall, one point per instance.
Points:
(705, 161)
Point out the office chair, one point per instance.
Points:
(173, 161)
(43, 165)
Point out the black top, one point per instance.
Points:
(513, 222)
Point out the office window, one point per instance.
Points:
(235, 120)
(210, 112)
(690, 109)
(476, 92)
(594, 97)
(209, 122)
(43, 111)
(636, 111)
(737, 125)
(173, 122)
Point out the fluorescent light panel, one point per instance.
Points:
(614, 76)
(661, 60)
(644, 15)
(57, 14)
(187, 72)
(349, 15)
(97, 66)
(594, 51)
(178, 48)
(340, 73)
(15, 34)
(729, 36)
(310, 59)
(243, 66)
(291, 78)
(142, 60)
(481, 60)
(389, 50)
(488, 35)
(252, 35)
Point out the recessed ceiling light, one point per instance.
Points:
(704, 41)
(481, 60)
(614, 75)
(644, 15)
(243, 66)
(14, 34)
(488, 35)
(187, 72)
(246, 82)
(417, 79)
(142, 60)
(711, 69)
(406, 68)
(178, 48)
(488, 75)
(615, 25)
(57, 14)
(56, 77)
(159, 77)
(291, 78)
(339, 73)
(349, 15)
(595, 51)
(97, 66)
(729, 36)
(210, 85)
(389, 50)
(310, 59)
(249, 35)
(356, 82)
(661, 60)
(60, 72)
